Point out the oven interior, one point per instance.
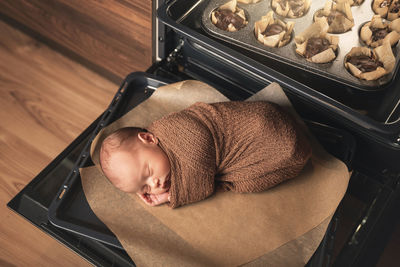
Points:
(381, 105)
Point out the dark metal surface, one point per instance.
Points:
(377, 218)
(69, 210)
(334, 70)
(368, 109)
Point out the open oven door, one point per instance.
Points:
(74, 224)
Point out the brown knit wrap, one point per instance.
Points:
(237, 146)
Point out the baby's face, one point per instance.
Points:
(143, 169)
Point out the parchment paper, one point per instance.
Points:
(279, 227)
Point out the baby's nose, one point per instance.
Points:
(156, 182)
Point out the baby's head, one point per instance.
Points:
(134, 162)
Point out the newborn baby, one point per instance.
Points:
(185, 156)
(134, 163)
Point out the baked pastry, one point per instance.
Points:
(273, 32)
(381, 7)
(377, 31)
(394, 10)
(291, 8)
(368, 64)
(248, 1)
(355, 2)
(389, 9)
(339, 16)
(229, 17)
(315, 44)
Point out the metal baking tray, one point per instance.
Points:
(70, 210)
(334, 70)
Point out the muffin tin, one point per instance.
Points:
(334, 70)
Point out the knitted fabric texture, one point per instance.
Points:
(237, 146)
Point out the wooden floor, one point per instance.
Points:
(38, 87)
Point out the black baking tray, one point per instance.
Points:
(70, 210)
(334, 70)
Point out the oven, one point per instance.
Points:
(360, 126)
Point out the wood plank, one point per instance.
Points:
(115, 35)
(46, 100)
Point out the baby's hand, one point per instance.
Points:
(154, 200)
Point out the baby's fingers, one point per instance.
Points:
(159, 198)
(146, 199)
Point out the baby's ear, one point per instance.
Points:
(147, 138)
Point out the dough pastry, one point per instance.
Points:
(377, 31)
(339, 16)
(229, 17)
(368, 64)
(273, 32)
(315, 44)
(291, 8)
(248, 1)
(355, 2)
(389, 9)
